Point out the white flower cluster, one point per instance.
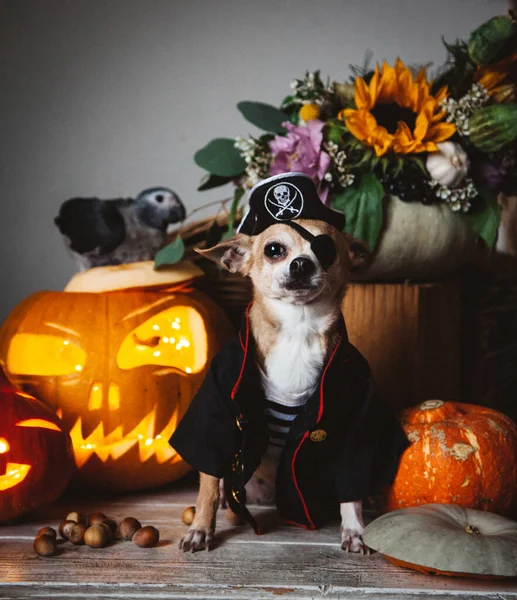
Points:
(338, 158)
(308, 84)
(460, 111)
(257, 160)
(458, 198)
(310, 89)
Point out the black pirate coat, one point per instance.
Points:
(345, 444)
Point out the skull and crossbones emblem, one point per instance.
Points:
(284, 201)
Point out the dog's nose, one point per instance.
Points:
(301, 267)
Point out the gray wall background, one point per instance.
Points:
(106, 97)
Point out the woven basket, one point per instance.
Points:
(231, 291)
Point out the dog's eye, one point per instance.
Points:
(275, 250)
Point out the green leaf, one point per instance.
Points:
(287, 101)
(239, 193)
(363, 208)
(221, 157)
(485, 222)
(171, 254)
(263, 116)
(209, 181)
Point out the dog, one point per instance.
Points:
(296, 325)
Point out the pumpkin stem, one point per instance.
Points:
(471, 529)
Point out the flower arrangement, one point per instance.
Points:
(391, 130)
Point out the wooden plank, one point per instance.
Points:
(410, 335)
(286, 561)
(195, 591)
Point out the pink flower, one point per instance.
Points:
(300, 150)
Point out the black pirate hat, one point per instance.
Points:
(284, 198)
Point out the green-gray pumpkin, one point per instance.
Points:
(446, 539)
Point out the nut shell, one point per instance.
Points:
(128, 527)
(96, 517)
(47, 531)
(146, 537)
(97, 536)
(188, 515)
(78, 517)
(45, 545)
(112, 524)
(65, 527)
(76, 534)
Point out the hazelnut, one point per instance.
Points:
(96, 518)
(76, 534)
(47, 531)
(146, 537)
(97, 536)
(78, 517)
(65, 527)
(107, 529)
(233, 518)
(128, 527)
(112, 524)
(188, 515)
(45, 545)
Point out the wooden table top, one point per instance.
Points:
(284, 562)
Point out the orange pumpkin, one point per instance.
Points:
(120, 365)
(460, 454)
(36, 458)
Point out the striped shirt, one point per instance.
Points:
(281, 410)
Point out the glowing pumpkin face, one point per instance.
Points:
(120, 368)
(36, 458)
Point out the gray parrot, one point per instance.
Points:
(112, 232)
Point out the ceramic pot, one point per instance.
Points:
(420, 243)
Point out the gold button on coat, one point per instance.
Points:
(318, 435)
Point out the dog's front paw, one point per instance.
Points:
(197, 538)
(352, 541)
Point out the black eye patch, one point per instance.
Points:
(322, 245)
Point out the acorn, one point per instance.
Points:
(97, 536)
(45, 545)
(78, 517)
(128, 527)
(188, 515)
(96, 518)
(112, 524)
(65, 527)
(146, 537)
(76, 534)
(47, 531)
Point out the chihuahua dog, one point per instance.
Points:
(288, 413)
(293, 319)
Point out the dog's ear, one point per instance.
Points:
(234, 254)
(359, 256)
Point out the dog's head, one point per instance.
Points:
(282, 265)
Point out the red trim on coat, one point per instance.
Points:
(304, 504)
(302, 525)
(236, 386)
(322, 401)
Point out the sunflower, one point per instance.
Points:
(499, 79)
(396, 112)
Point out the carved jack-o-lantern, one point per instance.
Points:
(36, 458)
(119, 365)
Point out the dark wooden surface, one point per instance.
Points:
(284, 562)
